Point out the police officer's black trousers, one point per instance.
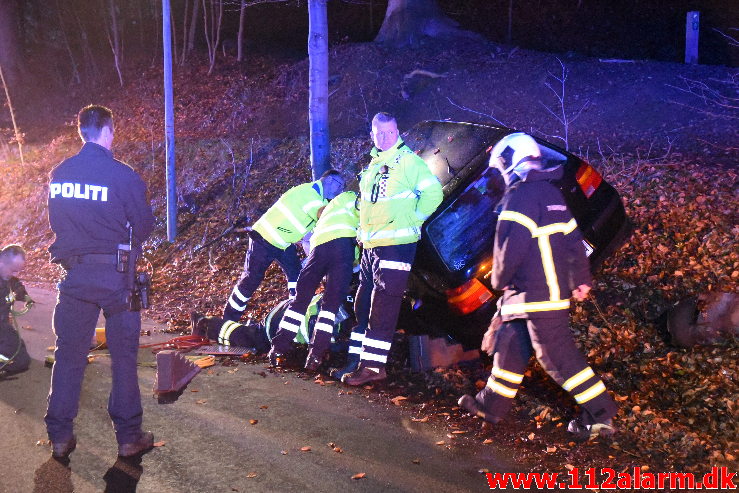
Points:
(14, 357)
(259, 256)
(86, 289)
(552, 342)
(382, 282)
(334, 260)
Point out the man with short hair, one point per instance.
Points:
(14, 357)
(273, 238)
(99, 212)
(398, 193)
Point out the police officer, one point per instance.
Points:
(332, 253)
(538, 257)
(397, 193)
(14, 357)
(96, 205)
(273, 236)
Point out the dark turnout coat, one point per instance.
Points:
(539, 255)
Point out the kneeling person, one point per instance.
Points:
(14, 357)
(274, 234)
(332, 255)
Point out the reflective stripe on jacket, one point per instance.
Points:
(340, 219)
(539, 256)
(394, 204)
(292, 216)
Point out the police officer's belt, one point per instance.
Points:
(92, 258)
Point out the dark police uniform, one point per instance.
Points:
(13, 355)
(539, 259)
(92, 200)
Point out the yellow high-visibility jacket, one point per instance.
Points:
(398, 193)
(340, 219)
(293, 215)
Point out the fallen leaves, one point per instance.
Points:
(253, 421)
(161, 443)
(398, 400)
(305, 449)
(251, 475)
(360, 475)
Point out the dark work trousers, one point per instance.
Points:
(334, 260)
(229, 333)
(552, 342)
(85, 290)
(384, 273)
(259, 256)
(362, 305)
(14, 357)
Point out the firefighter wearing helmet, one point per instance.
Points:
(539, 263)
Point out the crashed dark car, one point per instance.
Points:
(449, 292)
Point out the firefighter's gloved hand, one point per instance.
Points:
(581, 292)
(488, 340)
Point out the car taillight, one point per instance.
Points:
(588, 178)
(468, 297)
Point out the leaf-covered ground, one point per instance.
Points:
(239, 147)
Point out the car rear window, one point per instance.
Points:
(464, 231)
(448, 146)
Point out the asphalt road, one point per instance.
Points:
(210, 444)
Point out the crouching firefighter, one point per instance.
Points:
(14, 357)
(538, 260)
(332, 253)
(273, 236)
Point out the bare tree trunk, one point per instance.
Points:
(75, 71)
(408, 21)
(18, 136)
(193, 25)
(9, 45)
(240, 39)
(212, 18)
(158, 23)
(318, 87)
(114, 38)
(509, 35)
(185, 15)
(173, 24)
(93, 70)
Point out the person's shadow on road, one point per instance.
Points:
(123, 476)
(53, 476)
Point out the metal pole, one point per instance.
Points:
(169, 123)
(692, 25)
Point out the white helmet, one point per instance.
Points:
(515, 153)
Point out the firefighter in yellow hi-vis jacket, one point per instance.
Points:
(398, 193)
(539, 262)
(274, 234)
